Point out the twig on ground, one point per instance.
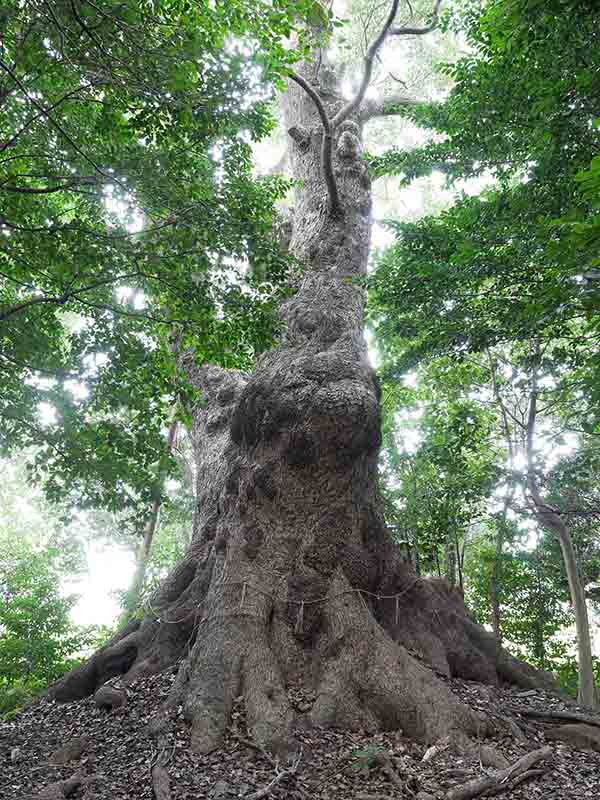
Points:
(280, 774)
(526, 776)
(504, 780)
(558, 716)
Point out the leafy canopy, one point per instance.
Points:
(500, 265)
(129, 217)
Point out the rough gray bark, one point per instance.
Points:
(291, 577)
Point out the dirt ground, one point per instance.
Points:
(118, 754)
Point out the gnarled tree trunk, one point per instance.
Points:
(291, 578)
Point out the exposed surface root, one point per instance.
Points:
(372, 665)
(59, 790)
(370, 682)
(336, 764)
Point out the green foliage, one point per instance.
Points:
(499, 272)
(38, 641)
(532, 594)
(129, 211)
(439, 490)
(572, 487)
(567, 671)
(366, 757)
(14, 697)
(585, 229)
(482, 273)
(510, 261)
(497, 266)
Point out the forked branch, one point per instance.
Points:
(351, 107)
(407, 30)
(330, 124)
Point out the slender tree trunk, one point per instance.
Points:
(450, 560)
(460, 559)
(551, 518)
(541, 611)
(496, 576)
(292, 577)
(134, 593)
(587, 695)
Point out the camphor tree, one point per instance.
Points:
(291, 577)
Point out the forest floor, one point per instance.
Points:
(113, 756)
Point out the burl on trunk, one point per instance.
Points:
(291, 578)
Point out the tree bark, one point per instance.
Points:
(496, 576)
(291, 576)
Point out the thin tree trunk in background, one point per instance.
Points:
(540, 611)
(450, 562)
(495, 585)
(460, 559)
(551, 518)
(134, 594)
(496, 576)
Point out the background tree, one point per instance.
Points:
(439, 489)
(504, 269)
(38, 640)
(531, 594)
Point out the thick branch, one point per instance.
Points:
(34, 301)
(353, 105)
(280, 166)
(558, 716)
(411, 31)
(327, 146)
(70, 184)
(389, 106)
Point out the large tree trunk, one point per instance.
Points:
(291, 578)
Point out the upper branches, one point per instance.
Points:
(331, 123)
(407, 30)
(352, 106)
